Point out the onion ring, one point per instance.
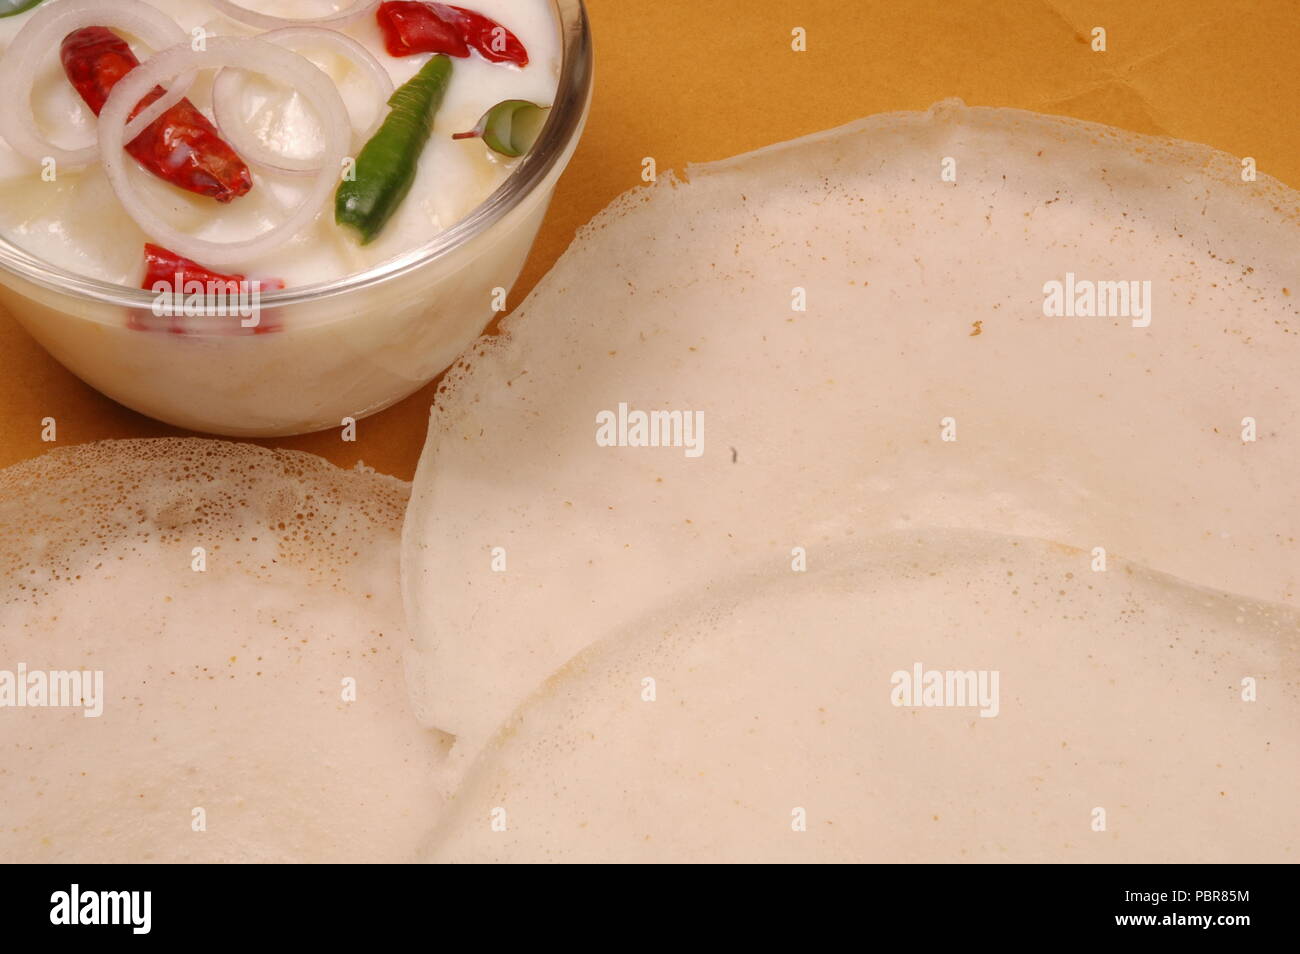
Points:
(249, 146)
(266, 22)
(44, 32)
(257, 57)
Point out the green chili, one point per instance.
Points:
(385, 168)
(9, 8)
(509, 128)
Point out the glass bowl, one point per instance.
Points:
(342, 349)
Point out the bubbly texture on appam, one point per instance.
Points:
(226, 592)
(832, 311)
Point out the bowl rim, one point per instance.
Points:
(554, 146)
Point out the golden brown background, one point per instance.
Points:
(695, 80)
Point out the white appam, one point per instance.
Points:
(771, 735)
(224, 689)
(924, 302)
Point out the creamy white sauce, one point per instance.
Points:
(77, 223)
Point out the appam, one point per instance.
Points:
(230, 596)
(866, 325)
(756, 722)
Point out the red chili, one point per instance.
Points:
(411, 27)
(181, 146)
(165, 272)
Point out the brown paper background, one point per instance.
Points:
(695, 80)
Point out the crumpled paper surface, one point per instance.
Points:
(695, 80)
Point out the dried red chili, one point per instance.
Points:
(412, 27)
(181, 146)
(167, 273)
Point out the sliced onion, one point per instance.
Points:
(249, 146)
(256, 57)
(44, 32)
(264, 21)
